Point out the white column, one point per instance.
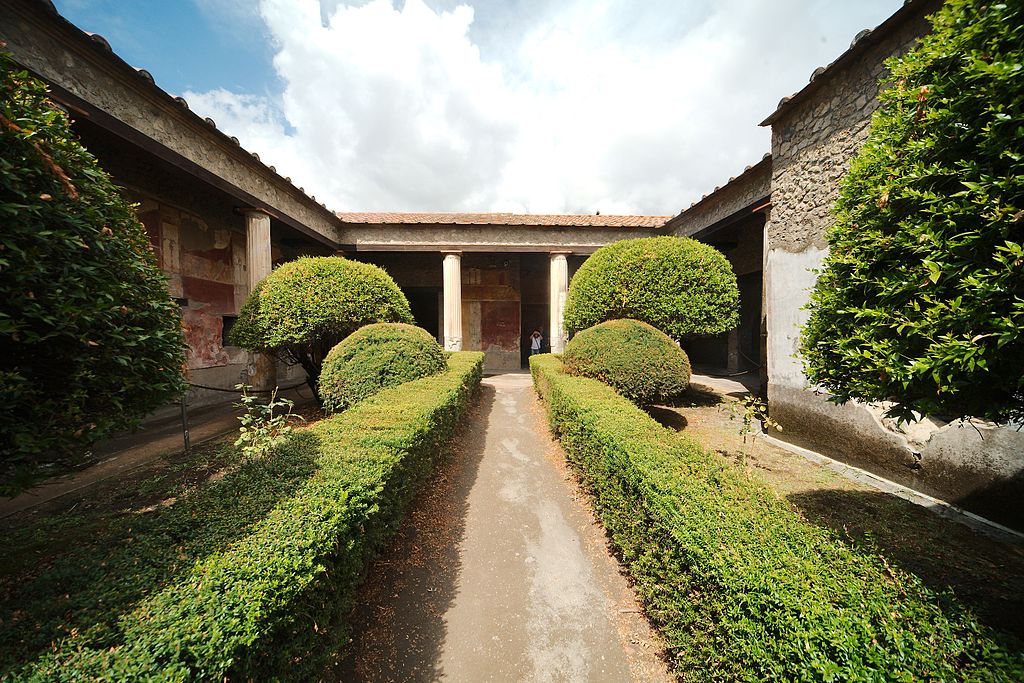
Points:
(559, 290)
(452, 269)
(258, 264)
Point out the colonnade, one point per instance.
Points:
(452, 272)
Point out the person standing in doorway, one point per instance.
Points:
(536, 342)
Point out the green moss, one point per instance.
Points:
(741, 587)
(375, 357)
(682, 287)
(921, 299)
(640, 362)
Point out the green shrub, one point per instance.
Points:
(639, 361)
(741, 587)
(375, 357)
(305, 307)
(90, 339)
(270, 604)
(682, 287)
(921, 299)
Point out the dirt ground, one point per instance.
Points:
(984, 573)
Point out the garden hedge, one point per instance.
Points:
(375, 357)
(741, 587)
(681, 286)
(639, 361)
(921, 299)
(271, 605)
(305, 307)
(90, 338)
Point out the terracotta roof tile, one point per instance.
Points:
(526, 219)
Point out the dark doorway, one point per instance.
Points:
(535, 317)
(425, 308)
(750, 320)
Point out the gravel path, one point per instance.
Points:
(500, 572)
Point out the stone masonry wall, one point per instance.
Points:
(814, 140)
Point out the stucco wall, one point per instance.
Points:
(813, 141)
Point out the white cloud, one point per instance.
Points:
(396, 109)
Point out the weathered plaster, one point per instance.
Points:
(813, 142)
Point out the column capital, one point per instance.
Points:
(249, 210)
(451, 252)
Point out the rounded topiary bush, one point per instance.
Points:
(305, 307)
(639, 361)
(677, 284)
(90, 338)
(376, 357)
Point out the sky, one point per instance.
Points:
(528, 106)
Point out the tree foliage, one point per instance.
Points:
(376, 357)
(682, 287)
(639, 361)
(921, 299)
(90, 339)
(305, 307)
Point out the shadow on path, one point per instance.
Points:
(397, 625)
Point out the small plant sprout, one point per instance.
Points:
(261, 429)
(751, 410)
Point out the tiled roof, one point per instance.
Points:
(861, 43)
(541, 220)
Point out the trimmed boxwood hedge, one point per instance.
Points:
(639, 361)
(681, 286)
(272, 604)
(741, 587)
(375, 357)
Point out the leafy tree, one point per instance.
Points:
(639, 361)
(376, 357)
(90, 339)
(682, 287)
(305, 307)
(921, 299)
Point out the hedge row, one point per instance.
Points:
(273, 603)
(741, 587)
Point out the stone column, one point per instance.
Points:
(559, 289)
(452, 269)
(258, 264)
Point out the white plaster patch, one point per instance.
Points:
(788, 281)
